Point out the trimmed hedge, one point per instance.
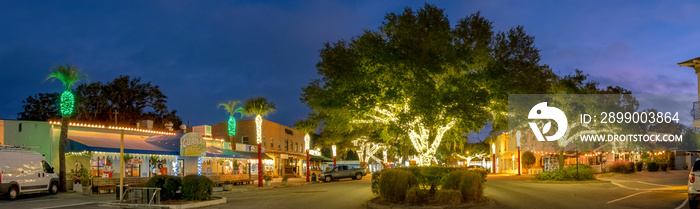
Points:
(448, 197)
(652, 166)
(469, 183)
(169, 185)
(376, 178)
(395, 183)
(196, 187)
(570, 173)
(639, 166)
(621, 167)
(415, 196)
(663, 166)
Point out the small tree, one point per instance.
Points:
(528, 159)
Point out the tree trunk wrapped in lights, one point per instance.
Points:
(259, 107)
(366, 149)
(258, 133)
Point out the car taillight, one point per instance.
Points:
(0, 177)
(692, 178)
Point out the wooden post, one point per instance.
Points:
(121, 166)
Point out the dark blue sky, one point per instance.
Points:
(204, 52)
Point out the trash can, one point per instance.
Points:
(313, 177)
(118, 192)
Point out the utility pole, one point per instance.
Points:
(115, 112)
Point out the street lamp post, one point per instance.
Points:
(333, 147)
(493, 158)
(517, 135)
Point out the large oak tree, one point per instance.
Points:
(419, 74)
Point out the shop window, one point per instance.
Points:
(279, 144)
(181, 167)
(272, 143)
(286, 145)
(97, 167)
(20, 127)
(264, 141)
(296, 147)
(132, 169)
(245, 140)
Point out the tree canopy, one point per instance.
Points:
(422, 76)
(133, 99)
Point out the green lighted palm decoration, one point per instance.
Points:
(230, 107)
(68, 76)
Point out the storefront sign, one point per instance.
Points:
(136, 161)
(284, 156)
(192, 144)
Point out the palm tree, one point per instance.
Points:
(259, 107)
(230, 107)
(69, 76)
(306, 126)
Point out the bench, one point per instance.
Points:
(110, 184)
(236, 179)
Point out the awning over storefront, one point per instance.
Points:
(107, 144)
(250, 155)
(320, 158)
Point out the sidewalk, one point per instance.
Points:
(276, 183)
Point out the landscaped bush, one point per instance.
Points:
(652, 166)
(376, 176)
(448, 197)
(621, 167)
(639, 165)
(571, 173)
(196, 187)
(415, 196)
(394, 183)
(469, 183)
(663, 166)
(430, 177)
(169, 185)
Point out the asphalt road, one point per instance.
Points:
(343, 194)
(520, 192)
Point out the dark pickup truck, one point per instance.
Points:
(343, 171)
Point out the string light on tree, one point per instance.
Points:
(67, 103)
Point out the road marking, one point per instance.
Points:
(623, 186)
(683, 204)
(76, 204)
(628, 196)
(661, 185)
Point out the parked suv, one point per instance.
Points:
(343, 171)
(694, 185)
(25, 171)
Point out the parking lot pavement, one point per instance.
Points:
(61, 200)
(615, 191)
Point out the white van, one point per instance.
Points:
(25, 171)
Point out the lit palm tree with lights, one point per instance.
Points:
(69, 76)
(306, 126)
(230, 107)
(259, 107)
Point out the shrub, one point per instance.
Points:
(394, 183)
(415, 195)
(652, 166)
(663, 166)
(375, 181)
(469, 183)
(168, 186)
(448, 197)
(630, 166)
(528, 159)
(571, 173)
(196, 187)
(621, 167)
(639, 166)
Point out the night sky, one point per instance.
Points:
(201, 53)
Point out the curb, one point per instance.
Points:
(220, 200)
(487, 204)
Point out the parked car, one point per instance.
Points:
(25, 171)
(343, 171)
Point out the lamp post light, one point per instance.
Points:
(493, 158)
(333, 148)
(517, 135)
(307, 139)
